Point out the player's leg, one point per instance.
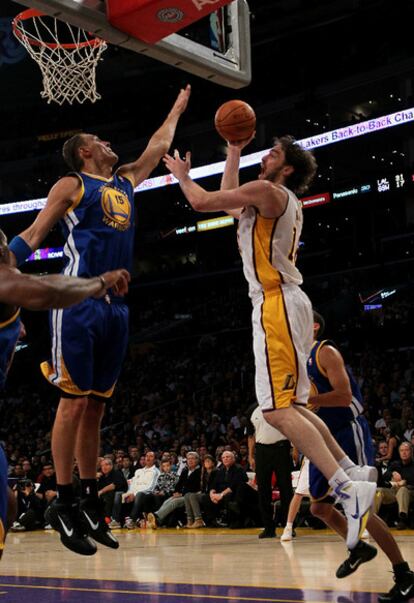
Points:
(292, 514)
(305, 437)
(361, 553)
(283, 467)
(64, 436)
(356, 441)
(71, 369)
(302, 489)
(88, 444)
(264, 472)
(86, 451)
(364, 552)
(63, 513)
(360, 471)
(282, 327)
(7, 502)
(87, 448)
(111, 339)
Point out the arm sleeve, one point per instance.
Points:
(154, 480)
(121, 485)
(181, 481)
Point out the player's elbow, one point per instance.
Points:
(159, 146)
(200, 203)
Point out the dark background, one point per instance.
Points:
(316, 66)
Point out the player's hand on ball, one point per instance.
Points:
(178, 167)
(240, 144)
(117, 280)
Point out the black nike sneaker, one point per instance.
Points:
(93, 520)
(403, 589)
(65, 520)
(267, 533)
(362, 553)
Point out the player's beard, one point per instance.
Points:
(273, 175)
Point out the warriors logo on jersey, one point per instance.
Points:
(116, 207)
(90, 338)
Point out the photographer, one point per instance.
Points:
(29, 507)
(47, 490)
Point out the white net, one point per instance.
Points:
(67, 57)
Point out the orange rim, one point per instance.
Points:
(33, 13)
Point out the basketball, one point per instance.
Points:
(235, 121)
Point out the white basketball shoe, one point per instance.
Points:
(356, 499)
(362, 473)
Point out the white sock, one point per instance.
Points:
(289, 525)
(346, 463)
(338, 481)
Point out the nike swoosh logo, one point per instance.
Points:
(405, 592)
(354, 565)
(68, 533)
(356, 515)
(94, 526)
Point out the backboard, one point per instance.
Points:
(224, 59)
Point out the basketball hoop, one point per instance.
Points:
(67, 56)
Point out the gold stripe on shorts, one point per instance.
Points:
(280, 351)
(282, 365)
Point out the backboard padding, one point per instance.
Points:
(231, 69)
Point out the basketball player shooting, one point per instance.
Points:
(95, 206)
(36, 293)
(270, 224)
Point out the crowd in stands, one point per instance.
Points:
(175, 430)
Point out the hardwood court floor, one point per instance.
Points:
(174, 566)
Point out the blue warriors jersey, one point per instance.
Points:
(3, 499)
(99, 227)
(9, 335)
(335, 417)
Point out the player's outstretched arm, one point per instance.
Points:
(158, 144)
(60, 199)
(230, 178)
(56, 291)
(269, 199)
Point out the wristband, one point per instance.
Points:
(20, 249)
(103, 282)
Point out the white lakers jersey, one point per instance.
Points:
(269, 246)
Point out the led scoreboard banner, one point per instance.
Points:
(313, 142)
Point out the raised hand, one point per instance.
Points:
(181, 102)
(177, 166)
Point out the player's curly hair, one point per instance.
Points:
(303, 162)
(70, 152)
